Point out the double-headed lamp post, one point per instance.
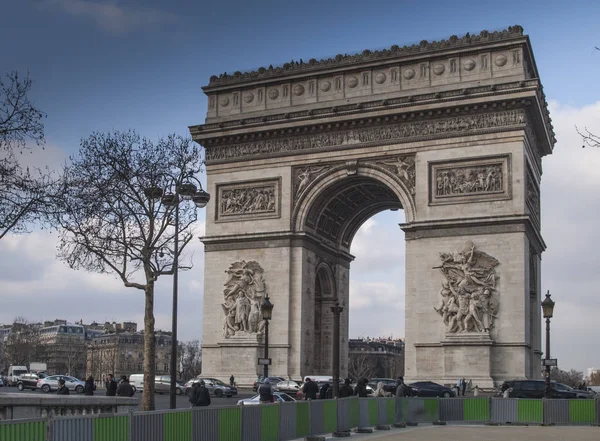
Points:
(337, 311)
(172, 197)
(548, 311)
(266, 309)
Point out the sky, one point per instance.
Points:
(102, 65)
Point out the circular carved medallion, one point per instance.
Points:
(501, 60)
(248, 98)
(325, 86)
(298, 89)
(352, 82)
(224, 101)
(273, 94)
(380, 78)
(409, 74)
(469, 64)
(439, 69)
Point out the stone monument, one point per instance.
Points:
(299, 156)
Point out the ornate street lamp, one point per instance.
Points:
(185, 190)
(548, 311)
(266, 308)
(337, 311)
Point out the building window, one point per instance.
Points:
(139, 366)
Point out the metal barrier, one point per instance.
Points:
(289, 421)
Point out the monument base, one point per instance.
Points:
(468, 355)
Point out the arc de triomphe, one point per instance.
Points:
(298, 157)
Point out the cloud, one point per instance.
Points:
(112, 17)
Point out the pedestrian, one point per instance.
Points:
(111, 386)
(232, 380)
(458, 387)
(194, 394)
(265, 392)
(310, 389)
(380, 391)
(464, 386)
(361, 388)
(88, 388)
(476, 391)
(62, 389)
(202, 396)
(507, 392)
(324, 392)
(346, 390)
(401, 388)
(124, 389)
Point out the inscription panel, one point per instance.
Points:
(472, 180)
(248, 200)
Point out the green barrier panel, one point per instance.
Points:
(230, 424)
(431, 407)
(269, 428)
(302, 419)
(23, 431)
(476, 409)
(391, 411)
(353, 410)
(373, 413)
(330, 415)
(177, 426)
(582, 411)
(530, 411)
(111, 428)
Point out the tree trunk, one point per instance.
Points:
(149, 350)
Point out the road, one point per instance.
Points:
(161, 401)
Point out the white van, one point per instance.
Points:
(319, 378)
(14, 372)
(137, 382)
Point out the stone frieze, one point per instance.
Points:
(250, 199)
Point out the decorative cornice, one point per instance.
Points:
(373, 132)
(366, 56)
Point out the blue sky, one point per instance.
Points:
(108, 64)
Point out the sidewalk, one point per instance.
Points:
(486, 433)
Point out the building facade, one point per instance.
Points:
(375, 358)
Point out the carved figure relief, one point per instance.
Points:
(248, 200)
(466, 180)
(243, 294)
(397, 131)
(404, 168)
(533, 197)
(305, 175)
(468, 300)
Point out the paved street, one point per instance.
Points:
(487, 433)
(162, 401)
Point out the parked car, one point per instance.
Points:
(162, 385)
(430, 389)
(215, 387)
(29, 381)
(579, 393)
(50, 384)
(288, 386)
(536, 389)
(279, 397)
(261, 380)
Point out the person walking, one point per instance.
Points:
(361, 388)
(380, 391)
(111, 386)
(458, 387)
(194, 394)
(124, 389)
(325, 392)
(88, 388)
(265, 392)
(62, 389)
(202, 396)
(401, 388)
(310, 389)
(346, 390)
(232, 380)
(476, 391)
(464, 386)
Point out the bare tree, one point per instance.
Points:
(190, 358)
(595, 379)
(24, 344)
(24, 192)
(571, 378)
(111, 221)
(360, 366)
(589, 139)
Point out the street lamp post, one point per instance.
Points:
(548, 310)
(183, 191)
(267, 310)
(337, 310)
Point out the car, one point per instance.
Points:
(289, 386)
(279, 397)
(50, 384)
(261, 380)
(430, 389)
(162, 385)
(29, 381)
(215, 387)
(536, 389)
(578, 393)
